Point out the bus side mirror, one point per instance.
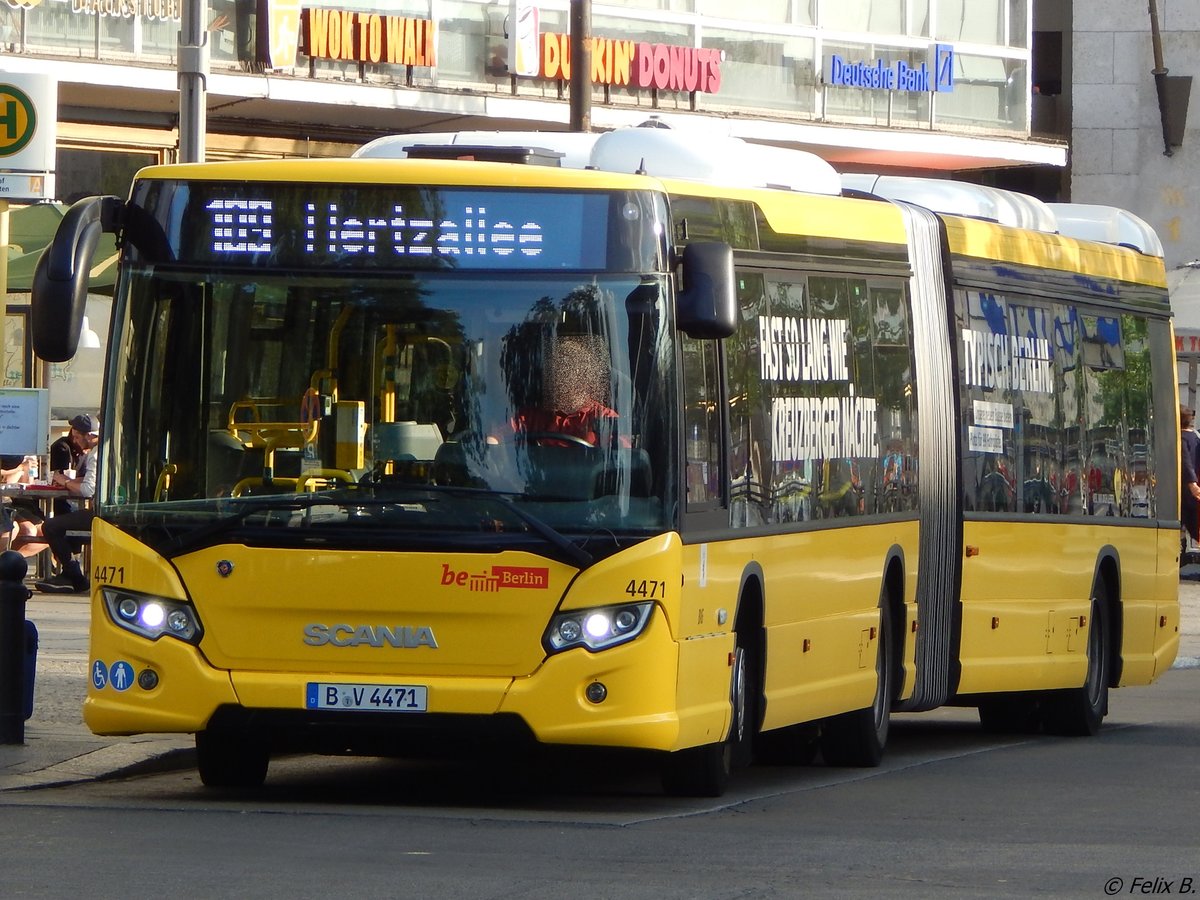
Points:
(60, 279)
(706, 306)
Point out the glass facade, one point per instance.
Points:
(774, 58)
(865, 106)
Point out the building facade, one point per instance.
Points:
(938, 87)
(1120, 155)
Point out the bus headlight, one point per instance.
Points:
(151, 616)
(597, 628)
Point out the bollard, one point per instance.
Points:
(13, 595)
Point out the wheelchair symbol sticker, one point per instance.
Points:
(119, 675)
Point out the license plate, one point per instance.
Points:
(368, 697)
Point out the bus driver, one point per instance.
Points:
(576, 381)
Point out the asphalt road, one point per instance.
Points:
(951, 813)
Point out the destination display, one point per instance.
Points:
(316, 226)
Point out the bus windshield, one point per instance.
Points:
(428, 409)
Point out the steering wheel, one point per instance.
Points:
(572, 439)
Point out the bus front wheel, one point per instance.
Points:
(704, 771)
(231, 760)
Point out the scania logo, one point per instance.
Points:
(317, 635)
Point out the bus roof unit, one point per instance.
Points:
(713, 159)
(957, 198)
(1083, 221)
(1107, 224)
(576, 148)
(655, 151)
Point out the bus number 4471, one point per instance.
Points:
(646, 588)
(109, 574)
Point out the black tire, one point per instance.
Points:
(858, 738)
(1011, 714)
(1079, 712)
(231, 760)
(795, 745)
(697, 771)
(704, 771)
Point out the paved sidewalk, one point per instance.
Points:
(59, 749)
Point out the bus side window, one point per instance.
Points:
(701, 421)
(1104, 413)
(1139, 424)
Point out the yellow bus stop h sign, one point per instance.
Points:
(28, 134)
(28, 129)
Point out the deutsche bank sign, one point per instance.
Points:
(877, 75)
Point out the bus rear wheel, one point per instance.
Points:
(1080, 711)
(704, 771)
(858, 738)
(1011, 714)
(229, 759)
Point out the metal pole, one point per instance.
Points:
(581, 65)
(1160, 79)
(4, 233)
(193, 78)
(13, 687)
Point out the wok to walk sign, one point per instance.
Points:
(28, 122)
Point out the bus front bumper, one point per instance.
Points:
(626, 696)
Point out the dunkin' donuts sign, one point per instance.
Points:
(636, 64)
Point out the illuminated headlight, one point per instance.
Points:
(152, 617)
(598, 628)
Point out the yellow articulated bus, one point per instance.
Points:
(622, 440)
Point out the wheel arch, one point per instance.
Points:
(748, 622)
(751, 598)
(891, 604)
(1108, 574)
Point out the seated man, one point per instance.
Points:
(65, 454)
(72, 578)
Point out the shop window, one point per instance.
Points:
(76, 385)
(777, 12)
(995, 22)
(988, 91)
(877, 17)
(84, 172)
(758, 71)
(877, 107)
(673, 5)
(18, 352)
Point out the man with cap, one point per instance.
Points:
(85, 430)
(65, 454)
